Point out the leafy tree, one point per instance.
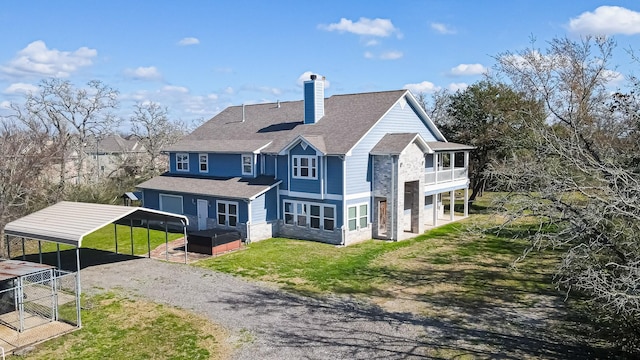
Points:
(493, 117)
(581, 183)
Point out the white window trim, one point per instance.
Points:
(312, 159)
(226, 213)
(250, 156)
(294, 205)
(358, 217)
(173, 196)
(182, 162)
(206, 162)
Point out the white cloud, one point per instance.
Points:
(188, 41)
(20, 88)
(307, 75)
(442, 28)
(387, 55)
(372, 42)
(175, 89)
(144, 73)
(39, 61)
(606, 20)
(613, 78)
(423, 87)
(468, 69)
(364, 26)
(212, 96)
(457, 86)
(391, 55)
(229, 90)
(5, 105)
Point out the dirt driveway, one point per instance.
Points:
(268, 323)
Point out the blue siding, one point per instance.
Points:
(265, 207)
(405, 120)
(305, 185)
(270, 165)
(334, 175)
(283, 171)
(225, 164)
(151, 199)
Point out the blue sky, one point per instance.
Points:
(198, 57)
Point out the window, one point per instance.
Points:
(317, 216)
(247, 164)
(182, 162)
(357, 217)
(204, 162)
(305, 167)
(171, 203)
(227, 213)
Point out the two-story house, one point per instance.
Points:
(338, 170)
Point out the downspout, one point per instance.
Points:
(394, 189)
(248, 222)
(344, 199)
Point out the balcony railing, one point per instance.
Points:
(444, 175)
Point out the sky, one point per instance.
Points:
(198, 57)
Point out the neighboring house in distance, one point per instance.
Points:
(337, 170)
(111, 155)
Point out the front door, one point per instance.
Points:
(203, 214)
(382, 218)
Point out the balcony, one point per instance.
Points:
(444, 174)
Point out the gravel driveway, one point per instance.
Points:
(268, 323)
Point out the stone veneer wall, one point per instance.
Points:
(411, 168)
(382, 188)
(308, 233)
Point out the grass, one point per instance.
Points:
(103, 239)
(116, 327)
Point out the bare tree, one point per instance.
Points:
(23, 160)
(70, 117)
(150, 123)
(581, 185)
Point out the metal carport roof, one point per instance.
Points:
(68, 222)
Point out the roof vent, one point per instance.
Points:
(314, 76)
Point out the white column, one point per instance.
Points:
(466, 162)
(434, 200)
(452, 202)
(452, 157)
(435, 169)
(466, 201)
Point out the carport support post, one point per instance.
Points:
(115, 235)
(23, 251)
(78, 291)
(131, 234)
(40, 250)
(148, 240)
(166, 239)
(8, 247)
(186, 242)
(58, 255)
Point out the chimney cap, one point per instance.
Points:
(313, 76)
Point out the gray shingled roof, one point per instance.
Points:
(347, 119)
(394, 144)
(219, 146)
(114, 143)
(448, 146)
(236, 188)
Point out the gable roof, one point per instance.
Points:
(394, 144)
(347, 119)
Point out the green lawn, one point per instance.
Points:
(115, 327)
(103, 239)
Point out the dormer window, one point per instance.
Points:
(182, 162)
(305, 167)
(247, 164)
